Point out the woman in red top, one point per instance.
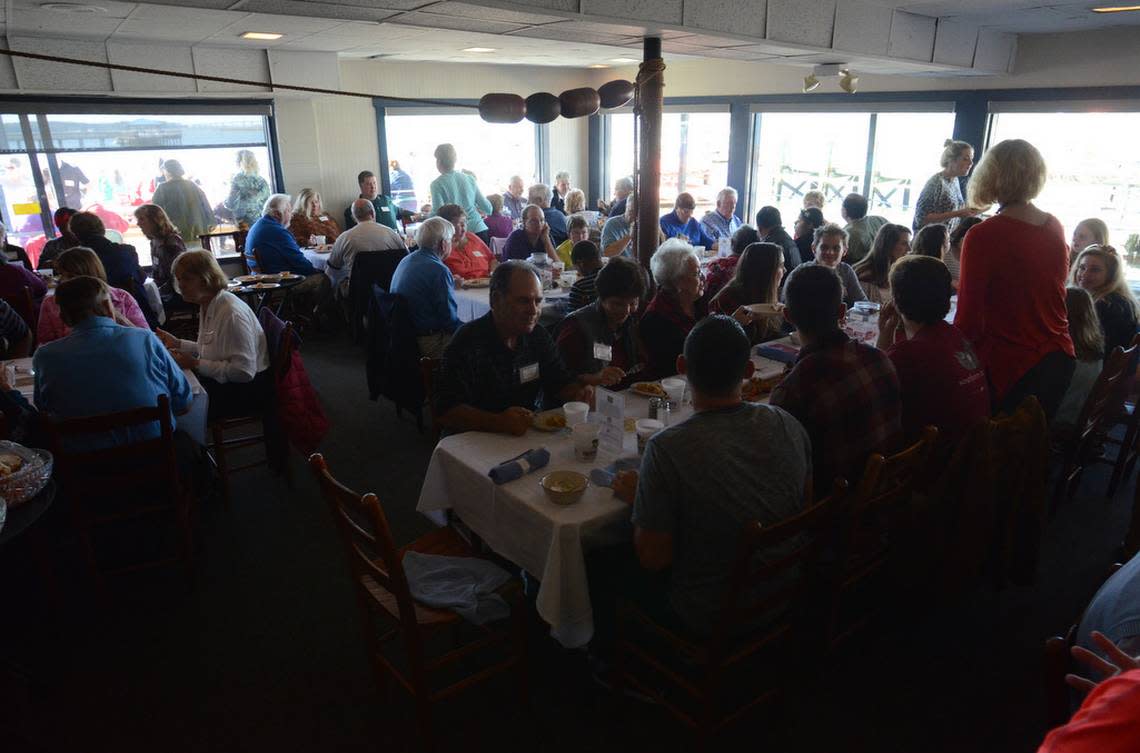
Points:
(1011, 294)
(470, 259)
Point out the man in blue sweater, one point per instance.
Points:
(277, 251)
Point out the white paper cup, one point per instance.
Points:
(646, 428)
(675, 388)
(586, 442)
(320, 239)
(576, 413)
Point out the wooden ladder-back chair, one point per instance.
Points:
(1131, 545)
(1058, 663)
(878, 529)
(390, 611)
(783, 557)
(276, 445)
(124, 483)
(1128, 448)
(1097, 415)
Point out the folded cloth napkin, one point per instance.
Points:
(463, 584)
(520, 465)
(605, 476)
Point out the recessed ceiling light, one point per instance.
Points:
(478, 49)
(73, 8)
(623, 60)
(261, 35)
(598, 65)
(1116, 9)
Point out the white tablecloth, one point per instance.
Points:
(472, 303)
(520, 523)
(150, 290)
(318, 259)
(193, 421)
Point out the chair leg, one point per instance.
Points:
(219, 455)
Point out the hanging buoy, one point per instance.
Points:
(502, 108)
(615, 94)
(542, 107)
(578, 103)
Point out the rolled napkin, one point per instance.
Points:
(518, 466)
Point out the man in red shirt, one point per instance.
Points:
(940, 377)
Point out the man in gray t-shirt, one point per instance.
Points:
(702, 479)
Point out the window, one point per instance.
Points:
(694, 155)
(493, 152)
(110, 164)
(1094, 169)
(801, 152)
(797, 152)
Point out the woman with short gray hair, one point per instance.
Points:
(184, 202)
(676, 307)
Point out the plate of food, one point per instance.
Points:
(266, 285)
(648, 389)
(288, 275)
(754, 389)
(478, 282)
(247, 278)
(549, 420)
(766, 309)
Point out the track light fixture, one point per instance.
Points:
(848, 82)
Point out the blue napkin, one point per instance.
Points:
(605, 476)
(518, 466)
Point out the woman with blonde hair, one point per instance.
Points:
(575, 201)
(231, 356)
(309, 219)
(1088, 345)
(81, 261)
(941, 198)
(248, 190)
(165, 245)
(1011, 292)
(1099, 271)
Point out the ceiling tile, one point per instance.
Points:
(163, 56)
(561, 31)
(727, 15)
(861, 27)
(569, 6)
(288, 25)
(995, 51)
(37, 75)
(954, 42)
(229, 62)
(807, 22)
(466, 10)
(107, 9)
(157, 31)
(655, 11)
(458, 24)
(307, 9)
(912, 36)
(46, 22)
(213, 4)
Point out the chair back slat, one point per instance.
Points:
(352, 513)
(773, 558)
(1108, 393)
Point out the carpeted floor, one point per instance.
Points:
(266, 652)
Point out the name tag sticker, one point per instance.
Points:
(528, 373)
(477, 253)
(603, 352)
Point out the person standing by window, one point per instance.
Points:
(248, 190)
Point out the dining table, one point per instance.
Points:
(318, 256)
(193, 421)
(472, 302)
(518, 521)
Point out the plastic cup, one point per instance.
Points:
(674, 388)
(646, 428)
(576, 413)
(586, 442)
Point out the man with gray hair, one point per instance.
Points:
(623, 187)
(277, 251)
(429, 288)
(561, 188)
(722, 222)
(367, 235)
(513, 200)
(539, 195)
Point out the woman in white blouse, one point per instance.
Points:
(231, 356)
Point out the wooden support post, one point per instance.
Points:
(651, 94)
